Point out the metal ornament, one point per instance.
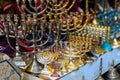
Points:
(115, 43)
(100, 71)
(113, 74)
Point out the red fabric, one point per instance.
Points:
(38, 2)
(26, 49)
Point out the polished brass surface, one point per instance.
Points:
(59, 7)
(95, 20)
(34, 67)
(115, 43)
(87, 11)
(108, 30)
(100, 78)
(115, 4)
(98, 33)
(75, 49)
(112, 73)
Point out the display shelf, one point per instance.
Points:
(91, 70)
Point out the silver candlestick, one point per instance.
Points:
(113, 74)
(32, 6)
(32, 35)
(100, 71)
(32, 31)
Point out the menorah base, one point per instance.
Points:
(115, 43)
(34, 67)
(71, 66)
(18, 60)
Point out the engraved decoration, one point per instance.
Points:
(8, 71)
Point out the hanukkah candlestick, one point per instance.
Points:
(59, 7)
(88, 18)
(115, 4)
(115, 43)
(33, 8)
(32, 34)
(83, 78)
(87, 11)
(112, 73)
(60, 10)
(100, 71)
(95, 21)
(73, 50)
(105, 6)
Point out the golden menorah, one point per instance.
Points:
(59, 7)
(75, 48)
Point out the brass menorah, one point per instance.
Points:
(71, 21)
(98, 32)
(59, 7)
(79, 43)
(76, 47)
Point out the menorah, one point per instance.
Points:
(59, 7)
(76, 47)
(98, 32)
(58, 11)
(71, 21)
(32, 34)
(109, 18)
(100, 71)
(112, 73)
(37, 27)
(32, 6)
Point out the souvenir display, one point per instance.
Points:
(53, 38)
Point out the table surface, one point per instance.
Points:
(30, 77)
